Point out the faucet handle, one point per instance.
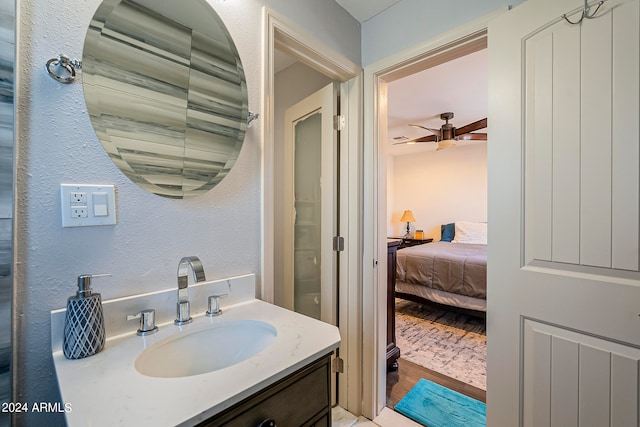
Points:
(147, 321)
(183, 313)
(214, 305)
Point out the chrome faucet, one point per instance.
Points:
(182, 308)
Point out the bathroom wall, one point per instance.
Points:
(411, 22)
(56, 144)
(7, 62)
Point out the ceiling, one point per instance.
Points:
(459, 86)
(365, 9)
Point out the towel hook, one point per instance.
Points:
(55, 66)
(251, 118)
(585, 13)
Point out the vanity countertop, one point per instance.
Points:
(107, 390)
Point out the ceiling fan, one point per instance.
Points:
(448, 134)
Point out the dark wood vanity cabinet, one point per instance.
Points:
(301, 399)
(393, 352)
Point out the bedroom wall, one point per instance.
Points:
(391, 230)
(439, 187)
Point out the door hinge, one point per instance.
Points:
(339, 122)
(337, 365)
(338, 243)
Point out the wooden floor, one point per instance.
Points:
(400, 381)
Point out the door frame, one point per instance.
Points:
(460, 41)
(288, 37)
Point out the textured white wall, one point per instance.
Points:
(56, 144)
(410, 22)
(325, 20)
(439, 187)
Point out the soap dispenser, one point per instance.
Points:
(84, 323)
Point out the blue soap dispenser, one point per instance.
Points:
(84, 333)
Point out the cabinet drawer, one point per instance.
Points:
(301, 399)
(325, 421)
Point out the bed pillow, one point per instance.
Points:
(470, 232)
(448, 232)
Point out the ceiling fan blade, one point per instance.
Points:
(472, 136)
(427, 138)
(434, 131)
(480, 124)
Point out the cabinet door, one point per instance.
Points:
(302, 399)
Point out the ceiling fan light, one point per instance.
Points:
(446, 143)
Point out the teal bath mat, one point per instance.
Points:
(432, 405)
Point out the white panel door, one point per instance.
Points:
(563, 314)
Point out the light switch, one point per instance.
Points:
(100, 206)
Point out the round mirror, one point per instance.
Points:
(166, 93)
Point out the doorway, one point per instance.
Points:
(378, 77)
(284, 40)
(309, 214)
(440, 186)
(294, 81)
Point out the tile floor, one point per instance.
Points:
(387, 418)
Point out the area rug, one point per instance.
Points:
(432, 405)
(450, 343)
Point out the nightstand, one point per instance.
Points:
(408, 242)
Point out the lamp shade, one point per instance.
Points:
(407, 216)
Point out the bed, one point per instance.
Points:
(452, 271)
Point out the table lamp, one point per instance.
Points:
(407, 217)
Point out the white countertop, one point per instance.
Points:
(107, 390)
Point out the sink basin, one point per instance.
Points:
(222, 345)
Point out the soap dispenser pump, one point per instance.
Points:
(84, 323)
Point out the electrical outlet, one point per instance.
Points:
(79, 212)
(78, 198)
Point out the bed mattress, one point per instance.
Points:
(457, 268)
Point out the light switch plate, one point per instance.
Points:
(86, 205)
